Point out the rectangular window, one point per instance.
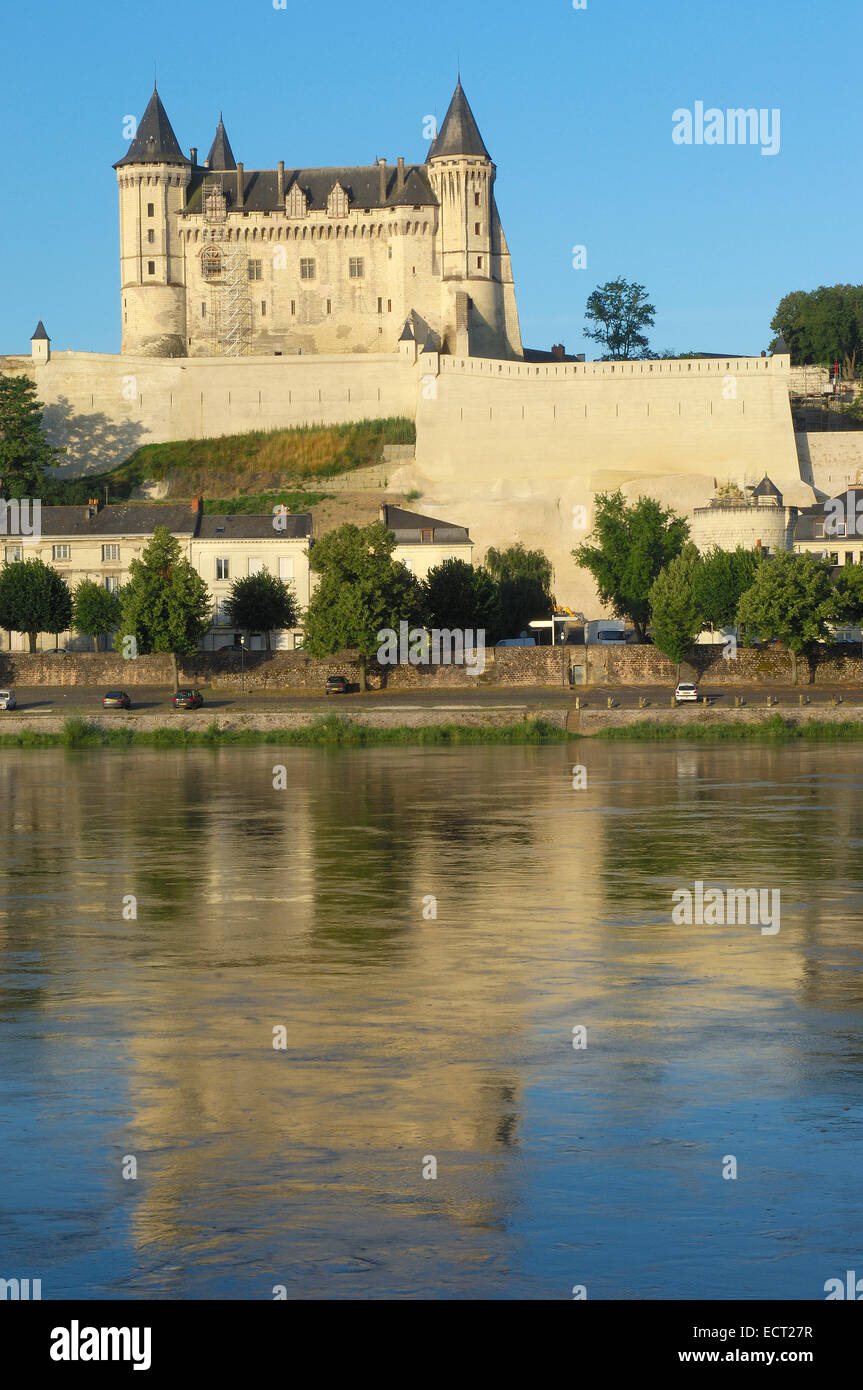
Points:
(256, 564)
(151, 209)
(427, 536)
(329, 306)
(286, 567)
(59, 552)
(13, 552)
(476, 228)
(223, 568)
(307, 268)
(263, 308)
(151, 235)
(389, 306)
(151, 267)
(839, 528)
(356, 267)
(220, 617)
(380, 306)
(254, 270)
(203, 308)
(819, 530)
(409, 565)
(110, 552)
(479, 262)
(112, 583)
(476, 200)
(293, 306)
(849, 557)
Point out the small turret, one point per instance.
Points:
(221, 155)
(40, 344)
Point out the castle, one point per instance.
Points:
(220, 260)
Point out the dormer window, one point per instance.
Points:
(427, 536)
(337, 203)
(211, 263)
(296, 203)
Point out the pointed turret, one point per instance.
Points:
(39, 333)
(40, 344)
(459, 134)
(155, 141)
(221, 155)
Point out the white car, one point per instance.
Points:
(686, 691)
(7, 699)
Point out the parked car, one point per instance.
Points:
(685, 691)
(188, 699)
(517, 642)
(7, 699)
(116, 699)
(55, 651)
(337, 685)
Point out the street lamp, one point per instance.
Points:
(243, 664)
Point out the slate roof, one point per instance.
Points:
(406, 526)
(155, 141)
(766, 488)
(459, 133)
(294, 526)
(119, 519)
(811, 517)
(40, 333)
(221, 155)
(362, 185)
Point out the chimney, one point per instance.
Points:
(558, 352)
(281, 181)
(198, 506)
(206, 163)
(400, 177)
(382, 172)
(194, 154)
(240, 185)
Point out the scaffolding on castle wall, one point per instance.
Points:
(230, 309)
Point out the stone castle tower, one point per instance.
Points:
(217, 260)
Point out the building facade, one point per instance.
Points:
(220, 260)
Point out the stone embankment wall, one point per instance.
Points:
(561, 668)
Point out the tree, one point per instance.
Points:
(631, 546)
(675, 617)
(456, 595)
(34, 598)
(262, 603)
(165, 605)
(523, 579)
(24, 449)
(792, 598)
(620, 311)
(720, 580)
(849, 594)
(823, 325)
(362, 590)
(95, 610)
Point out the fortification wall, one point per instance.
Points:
(834, 459)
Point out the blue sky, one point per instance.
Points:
(575, 107)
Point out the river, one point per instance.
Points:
(318, 1036)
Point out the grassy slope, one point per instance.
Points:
(264, 466)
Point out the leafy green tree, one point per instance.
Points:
(34, 598)
(674, 612)
(620, 311)
(262, 603)
(94, 610)
(631, 546)
(24, 450)
(165, 605)
(792, 598)
(849, 594)
(720, 580)
(361, 591)
(823, 325)
(523, 579)
(457, 595)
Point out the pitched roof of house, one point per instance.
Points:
(155, 141)
(406, 526)
(221, 155)
(293, 526)
(459, 133)
(119, 519)
(362, 185)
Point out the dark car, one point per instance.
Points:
(116, 699)
(188, 699)
(337, 685)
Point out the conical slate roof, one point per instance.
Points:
(221, 155)
(780, 345)
(459, 133)
(40, 333)
(155, 141)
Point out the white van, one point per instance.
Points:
(605, 632)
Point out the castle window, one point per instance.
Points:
(111, 552)
(307, 268)
(223, 569)
(203, 308)
(389, 253)
(254, 270)
(151, 267)
(263, 308)
(151, 210)
(211, 263)
(112, 583)
(476, 200)
(380, 306)
(476, 228)
(293, 306)
(151, 235)
(329, 306)
(479, 262)
(337, 203)
(389, 306)
(13, 552)
(356, 268)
